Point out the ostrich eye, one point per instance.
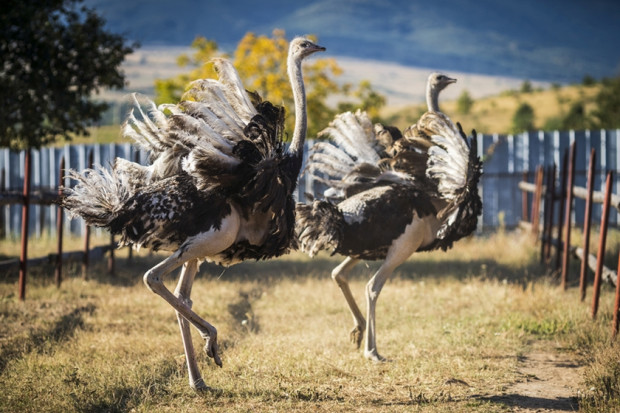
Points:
(305, 44)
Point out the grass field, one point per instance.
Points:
(455, 327)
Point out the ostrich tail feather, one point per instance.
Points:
(98, 196)
(318, 227)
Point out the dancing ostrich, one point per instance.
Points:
(359, 154)
(219, 187)
(429, 204)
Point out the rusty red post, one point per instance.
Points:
(587, 217)
(59, 225)
(545, 198)
(23, 259)
(524, 216)
(614, 329)
(546, 236)
(536, 201)
(87, 233)
(552, 198)
(567, 217)
(2, 189)
(558, 255)
(600, 256)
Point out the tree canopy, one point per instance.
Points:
(523, 119)
(53, 56)
(261, 63)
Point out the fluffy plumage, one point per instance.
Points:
(219, 186)
(390, 195)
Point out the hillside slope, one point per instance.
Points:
(555, 40)
(493, 114)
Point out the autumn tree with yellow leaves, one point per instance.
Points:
(261, 63)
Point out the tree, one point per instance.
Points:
(608, 104)
(53, 56)
(576, 118)
(464, 103)
(261, 63)
(588, 81)
(523, 119)
(526, 87)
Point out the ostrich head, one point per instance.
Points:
(435, 84)
(438, 81)
(301, 48)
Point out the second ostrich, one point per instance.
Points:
(219, 187)
(424, 197)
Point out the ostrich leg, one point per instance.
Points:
(183, 292)
(401, 249)
(205, 244)
(340, 276)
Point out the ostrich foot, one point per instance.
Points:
(373, 355)
(357, 335)
(198, 385)
(212, 349)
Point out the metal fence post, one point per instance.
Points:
(23, 259)
(59, 225)
(587, 218)
(87, 232)
(600, 256)
(569, 209)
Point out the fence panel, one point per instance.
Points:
(505, 157)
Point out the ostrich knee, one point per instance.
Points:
(339, 278)
(153, 280)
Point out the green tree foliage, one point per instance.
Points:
(576, 118)
(588, 81)
(607, 114)
(526, 87)
(53, 56)
(261, 63)
(464, 103)
(523, 119)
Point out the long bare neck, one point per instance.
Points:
(299, 96)
(432, 98)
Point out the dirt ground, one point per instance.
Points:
(550, 381)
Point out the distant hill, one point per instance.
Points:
(552, 40)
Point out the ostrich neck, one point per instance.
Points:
(432, 99)
(299, 96)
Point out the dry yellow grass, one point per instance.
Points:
(453, 325)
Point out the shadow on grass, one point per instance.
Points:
(154, 380)
(130, 272)
(61, 331)
(561, 404)
(420, 266)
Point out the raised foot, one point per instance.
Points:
(212, 349)
(373, 355)
(357, 335)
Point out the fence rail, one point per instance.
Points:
(544, 202)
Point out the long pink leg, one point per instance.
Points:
(340, 276)
(183, 292)
(202, 245)
(401, 249)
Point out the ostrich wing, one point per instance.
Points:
(352, 159)
(216, 133)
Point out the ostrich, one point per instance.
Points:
(429, 204)
(219, 186)
(358, 154)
